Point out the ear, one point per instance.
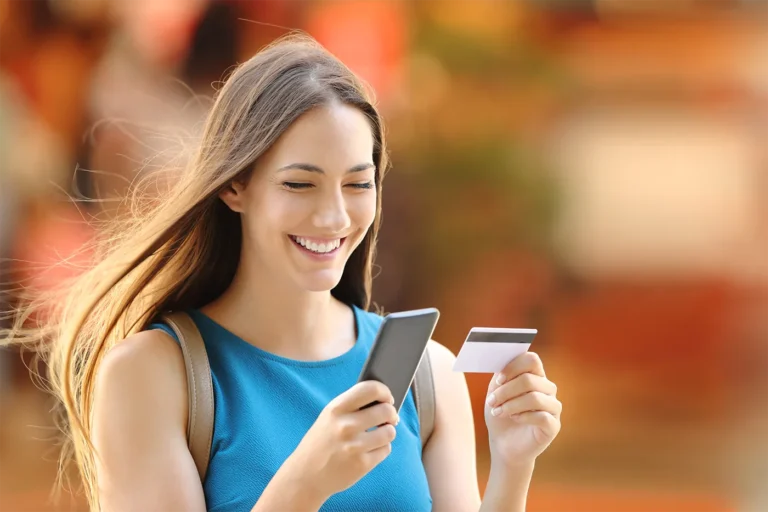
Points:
(233, 196)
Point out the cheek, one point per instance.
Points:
(285, 212)
(362, 210)
(274, 212)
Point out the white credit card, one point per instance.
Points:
(490, 349)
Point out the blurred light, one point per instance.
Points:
(500, 22)
(752, 68)
(606, 8)
(429, 82)
(160, 30)
(369, 37)
(4, 9)
(80, 11)
(664, 192)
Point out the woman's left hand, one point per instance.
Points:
(522, 412)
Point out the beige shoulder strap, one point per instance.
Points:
(199, 388)
(424, 396)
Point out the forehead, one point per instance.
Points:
(333, 137)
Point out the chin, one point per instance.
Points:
(320, 281)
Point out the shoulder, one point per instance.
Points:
(150, 354)
(442, 359)
(441, 356)
(368, 323)
(369, 316)
(143, 377)
(451, 391)
(139, 427)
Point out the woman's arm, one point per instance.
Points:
(449, 456)
(507, 488)
(139, 428)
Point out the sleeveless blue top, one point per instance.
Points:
(264, 404)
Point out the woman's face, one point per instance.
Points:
(311, 198)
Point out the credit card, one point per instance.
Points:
(490, 349)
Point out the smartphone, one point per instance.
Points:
(398, 349)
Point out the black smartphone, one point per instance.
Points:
(398, 349)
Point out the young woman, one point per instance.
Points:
(267, 241)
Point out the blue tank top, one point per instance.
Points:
(264, 404)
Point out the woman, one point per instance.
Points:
(267, 241)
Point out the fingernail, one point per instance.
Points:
(496, 411)
(491, 399)
(500, 379)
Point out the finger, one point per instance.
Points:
(377, 438)
(549, 424)
(361, 395)
(529, 402)
(528, 362)
(520, 385)
(379, 414)
(375, 457)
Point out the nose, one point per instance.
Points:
(331, 213)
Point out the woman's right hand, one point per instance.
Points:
(339, 449)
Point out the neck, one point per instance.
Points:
(281, 318)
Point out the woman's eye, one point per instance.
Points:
(297, 186)
(367, 185)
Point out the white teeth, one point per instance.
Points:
(315, 247)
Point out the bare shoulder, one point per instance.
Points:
(146, 361)
(447, 382)
(442, 360)
(139, 421)
(142, 376)
(143, 346)
(440, 355)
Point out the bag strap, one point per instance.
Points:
(424, 397)
(199, 388)
(200, 391)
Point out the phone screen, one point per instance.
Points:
(398, 349)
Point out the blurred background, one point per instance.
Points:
(595, 169)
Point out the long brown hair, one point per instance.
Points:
(183, 251)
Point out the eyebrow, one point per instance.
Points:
(314, 168)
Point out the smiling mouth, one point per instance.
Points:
(315, 247)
